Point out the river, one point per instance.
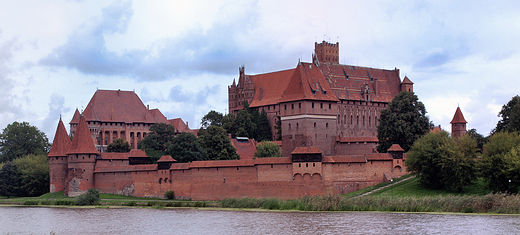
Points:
(42, 220)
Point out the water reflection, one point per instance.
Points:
(25, 220)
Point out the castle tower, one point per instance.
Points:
(58, 163)
(406, 85)
(81, 156)
(327, 52)
(458, 124)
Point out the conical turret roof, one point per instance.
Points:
(458, 117)
(61, 143)
(406, 80)
(82, 142)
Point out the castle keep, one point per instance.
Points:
(321, 104)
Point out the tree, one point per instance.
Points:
(158, 140)
(481, 140)
(403, 122)
(229, 124)
(212, 118)
(34, 173)
(216, 143)
(510, 115)
(119, 146)
(512, 171)
(267, 149)
(19, 139)
(10, 180)
(246, 124)
(263, 127)
(440, 161)
(186, 148)
(493, 165)
(89, 198)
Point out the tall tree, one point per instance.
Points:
(246, 124)
(19, 139)
(493, 165)
(216, 143)
(403, 122)
(34, 171)
(119, 146)
(268, 149)
(186, 148)
(440, 161)
(481, 140)
(158, 140)
(212, 118)
(10, 180)
(510, 115)
(229, 124)
(263, 127)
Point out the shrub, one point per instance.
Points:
(30, 203)
(62, 202)
(169, 194)
(89, 198)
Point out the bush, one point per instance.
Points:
(62, 202)
(169, 194)
(31, 203)
(89, 198)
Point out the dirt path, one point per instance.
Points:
(375, 190)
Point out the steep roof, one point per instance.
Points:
(82, 142)
(179, 125)
(349, 82)
(308, 83)
(406, 80)
(75, 118)
(166, 158)
(61, 143)
(246, 150)
(269, 87)
(119, 106)
(458, 117)
(395, 148)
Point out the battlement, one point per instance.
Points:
(327, 52)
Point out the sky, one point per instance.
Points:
(180, 56)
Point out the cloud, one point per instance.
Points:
(8, 109)
(56, 108)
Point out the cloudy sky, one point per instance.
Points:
(180, 56)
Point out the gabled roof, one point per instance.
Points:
(348, 82)
(179, 125)
(119, 106)
(113, 156)
(83, 143)
(137, 153)
(166, 158)
(458, 117)
(269, 87)
(308, 83)
(406, 80)
(61, 143)
(395, 148)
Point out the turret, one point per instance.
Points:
(81, 156)
(327, 52)
(58, 163)
(406, 84)
(458, 124)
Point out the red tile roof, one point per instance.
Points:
(129, 168)
(406, 80)
(306, 150)
(166, 158)
(458, 117)
(436, 129)
(357, 139)
(395, 148)
(179, 125)
(246, 150)
(344, 159)
(137, 153)
(61, 143)
(119, 106)
(221, 163)
(83, 143)
(273, 160)
(348, 82)
(75, 118)
(269, 87)
(308, 83)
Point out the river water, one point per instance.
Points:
(41, 220)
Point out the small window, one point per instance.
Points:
(321, 105)
(285, 107)
(312, 104)
(292, 106)
(330, 105)
(300, 105)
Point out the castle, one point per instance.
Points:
(329, 118)
(321, 104)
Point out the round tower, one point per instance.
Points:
(58, 163)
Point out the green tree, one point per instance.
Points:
(34, 171)
(440, 161)
(278, 128)
(268, 149)
(119, 146)
(186, 148)
(493, 165)
(216, 143)
(263, 127)
(19, 139)
(481, 140)
(403, 122)
(510, 115)
(246, 124)
(212, 118)
(10, 180)
(512, 171)
(89, 198)
(229, 124)
(158, 140)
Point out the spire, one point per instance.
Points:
(75, 118)
(61, 143)
(82, 142)
(458, 117)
